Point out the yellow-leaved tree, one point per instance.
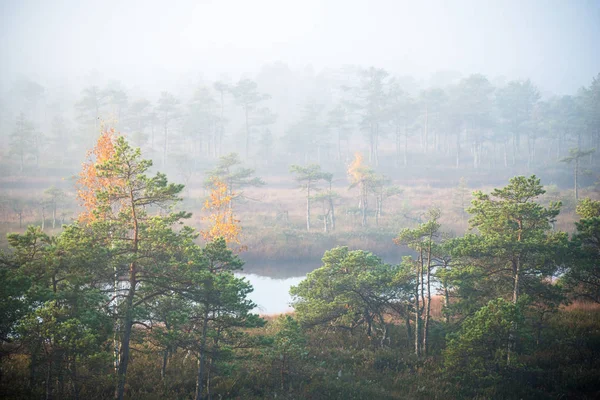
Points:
(91, 181)
(222, 221)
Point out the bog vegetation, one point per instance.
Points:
(448, 269)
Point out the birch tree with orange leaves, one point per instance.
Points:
(91, 181)
(222, 221)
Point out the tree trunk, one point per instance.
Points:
(152, 137)
(339, 145)
(74, 379)
(576, 177)
(222, 124)
(505, 154)
(211, 363)
(446, 292)
(408, 329)
(426, 133)
(516, 142)
(282, 371)
(517, 264)
(60, 378)
(597, 146)
(116, 347)
(422, 269)
(331, 212)
(163, 369)
(215, 144)
(428, 310)
(378, 201)
(512, 333)
(376, 149)
(247, 132)
(384, 331)
(405, 146)
(166, 141)
(371, 144)
(48, 386)
(533, 140)
(36, 147)
(417, 313)
(397, 137)
(202, 357)
(364, 203)
(33, 364)
(308, 206)
(458, 149)
(128, 322)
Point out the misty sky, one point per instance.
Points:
(555, 43)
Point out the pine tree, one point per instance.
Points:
(122, 207)
(576, 155)
(514, 251)
(307, 176)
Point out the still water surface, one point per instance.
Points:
(272, 282)
(271, 294)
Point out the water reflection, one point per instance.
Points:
(281, 270)
(272, 280)
(271, 294)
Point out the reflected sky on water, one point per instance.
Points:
(271, 294)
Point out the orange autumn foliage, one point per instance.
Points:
(356, 168)
(222, 222)
(90, 181)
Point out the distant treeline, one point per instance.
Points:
(282, 117)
